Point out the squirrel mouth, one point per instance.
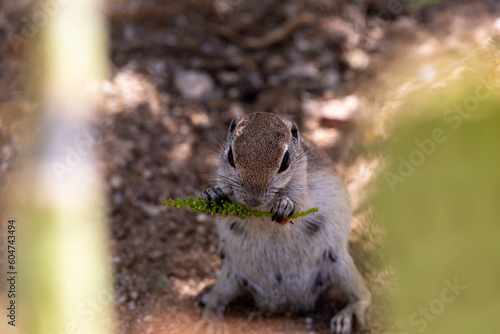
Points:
(258, 204)
(253, 202)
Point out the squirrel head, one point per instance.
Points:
(260, 156)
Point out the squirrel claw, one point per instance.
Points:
(282, 209)
(216, 194)
(342, 323)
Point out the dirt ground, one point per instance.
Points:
(180, 71)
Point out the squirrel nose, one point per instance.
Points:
(253, 201)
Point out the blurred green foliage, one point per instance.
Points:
(440, 202)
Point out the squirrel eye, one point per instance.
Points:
(295, 132)
(230, 158)
(285, 163)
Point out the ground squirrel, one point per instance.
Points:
(267, 165)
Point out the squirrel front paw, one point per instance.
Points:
(215, 194)
(282, 209)
(349, 318)
(341, 323)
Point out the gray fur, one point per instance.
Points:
(284, 267)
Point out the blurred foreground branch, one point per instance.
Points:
(65, 278)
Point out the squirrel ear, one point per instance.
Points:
(295, 131)
(233, 125)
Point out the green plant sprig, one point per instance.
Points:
(227, 209)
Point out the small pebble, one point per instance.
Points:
(195, 85)
(155, 254)
(303, 70)
(129, 32)
(201, 217)
(117, 199)
(255, 79)
(330, 79)
(229, 78)
(233, 93)
(122, 299)
(147, 173)
(116, 181)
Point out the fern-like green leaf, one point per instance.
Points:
(227, 209)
